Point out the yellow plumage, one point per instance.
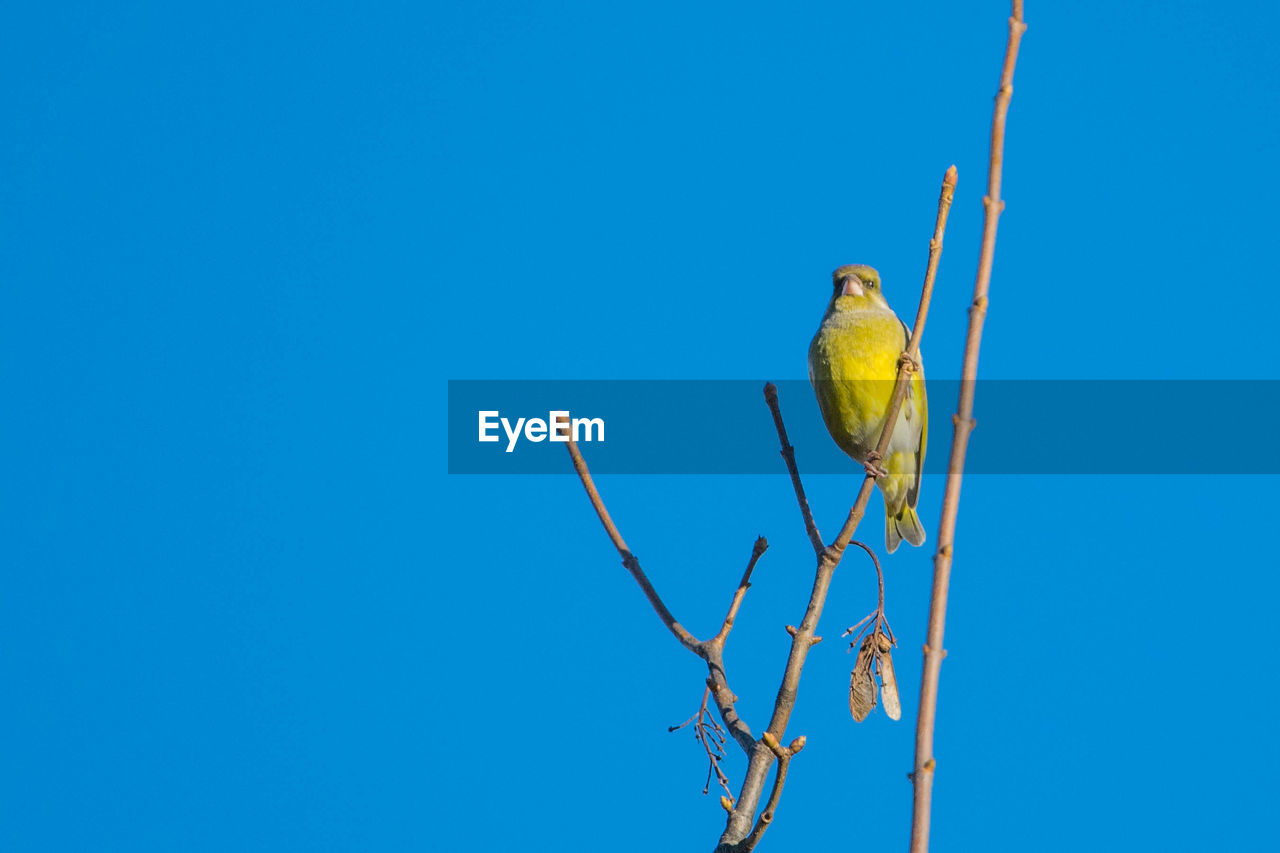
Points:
(853, 365)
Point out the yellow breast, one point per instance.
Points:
(853, 363)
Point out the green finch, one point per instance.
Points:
(853, 363)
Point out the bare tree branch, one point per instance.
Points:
(628, 559)
(711, 651)
(757, 551)
(708, 733)
(925, 765)
(789, 455)
(784, 755)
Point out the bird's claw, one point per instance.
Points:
(872, 468)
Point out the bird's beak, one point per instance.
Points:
(852, 286)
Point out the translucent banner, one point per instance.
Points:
(724, 427)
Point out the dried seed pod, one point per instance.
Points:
(862, 693)
(888, 683)
(862, 683)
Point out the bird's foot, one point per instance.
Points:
(872, 468)
(910, 362)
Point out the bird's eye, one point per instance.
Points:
(873, 284)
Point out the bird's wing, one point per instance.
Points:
(913, 493)
(916, 397)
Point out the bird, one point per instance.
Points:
(853, 365)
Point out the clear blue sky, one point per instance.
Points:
(245, 247)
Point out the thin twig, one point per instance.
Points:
(757, 551)
(738, 830)
(629, 560)
(708, 733)
(789, 455)
(784, 755)
(876, 619)
(875, 561)
(925, 765)
(855, 630)
(711, 651)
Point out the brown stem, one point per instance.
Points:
(738, 830)
(725, 699)
(922, 777)
(789, 455)
(629, 560)
(711, 651)
(784, 755)
(760, 547)
(711, 737)
(879, 613)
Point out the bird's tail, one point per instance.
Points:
(905, 525)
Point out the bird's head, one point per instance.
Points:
(856, 287)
